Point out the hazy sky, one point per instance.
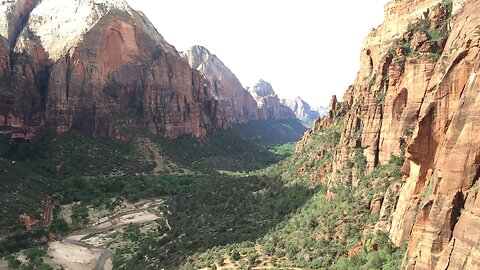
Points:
(307, 48)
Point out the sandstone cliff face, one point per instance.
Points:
(302, 110)
(417, 94)
(268, 103)
(15, 13)
(442, 164)
(100, 67)
(237, 104)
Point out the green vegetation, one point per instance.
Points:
(48, 166)
(320, 232)
(436, 34)
(260, 214)
(373, 80)
(31, 172)
(282, 150)
(34, 260)
(217, 210)
(224, 150)
(79, 214)
(58, 225)
(267, 132)
(380, 97)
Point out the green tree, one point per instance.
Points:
(13, 262)
(79, 214)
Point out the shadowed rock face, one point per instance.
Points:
(417, 91)
(104, 69)
(236, 103)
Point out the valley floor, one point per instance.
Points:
(129, 212)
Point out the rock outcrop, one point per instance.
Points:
(237, 104)
(15, 14)
(268, 103)
(302, 110)
(100, 67)
(417, 94)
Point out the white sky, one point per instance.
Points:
(307, 48)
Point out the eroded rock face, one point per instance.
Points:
(268, 103)
(102, 68)
(15, 14)
(237, 104)
(302, 110)
(429, 92)
(442, 159)
(417, 93)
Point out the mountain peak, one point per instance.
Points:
(199, 49)
(199, 57)
(263, 89)
(302, 110)
(13, 14)
(62, 24)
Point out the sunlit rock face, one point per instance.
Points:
(302, 110)
(417, 93)
(236, 103)
(268, 103)
(99, 67)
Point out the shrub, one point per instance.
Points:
(373, 80)
(379, 97)
(79, 214)
(13, 262)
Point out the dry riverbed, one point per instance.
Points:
(88, 248)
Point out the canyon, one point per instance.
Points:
(388, 178)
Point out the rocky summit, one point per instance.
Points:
(90, 65)
(269, 105)
(236, 102)
(302, 110)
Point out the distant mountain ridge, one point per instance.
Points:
(102, 68)
(225, 86)
(261, 103)
(302, 110)
(269, 105)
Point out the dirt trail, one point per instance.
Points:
(47, 214)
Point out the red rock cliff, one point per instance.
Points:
(236, 103)
(102, 68)
(417, 93)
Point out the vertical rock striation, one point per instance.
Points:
(97, 66)
(417, 94)
(102, 68)
(236, 103)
